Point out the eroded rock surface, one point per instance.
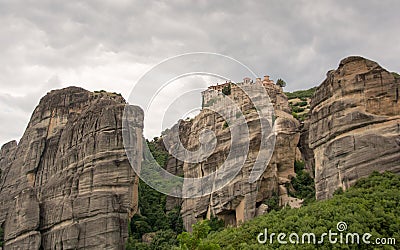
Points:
(68, 183)
(354, 125)
(240, 200)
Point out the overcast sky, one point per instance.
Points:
(109, 44)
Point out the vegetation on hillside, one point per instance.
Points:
(299, 102)
(96, 92)
(164, 230)
(301, 94)
(153, 220)
(302, 187)
(396, 75)
(371, 206)
(200, 231)
(303, 184)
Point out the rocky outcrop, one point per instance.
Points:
(68, 183)
(354, 124)
(240, 200)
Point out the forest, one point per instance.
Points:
(370, 206)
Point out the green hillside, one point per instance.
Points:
(308, 93)
(299, 102)
(371, 206)
(160, 226)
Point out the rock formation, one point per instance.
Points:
(240, 200)
(68, 183)
(354, 124)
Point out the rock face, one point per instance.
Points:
(240, 200)
(68, 183)
(175, 166)
(354, 124)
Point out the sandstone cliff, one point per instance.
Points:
(68, 184)
(354, 124)
(240, 200)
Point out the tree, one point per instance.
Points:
(273, 202)
(153, 217)
(164, 239)
(370, 206)
(191, 241)
(281, 83)
(226, 90)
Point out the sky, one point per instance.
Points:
(109, 45)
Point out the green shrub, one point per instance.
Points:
(303, 116)
(164, 239)
(371, 206)
(303, 103)
(192, 240)
(299, 166)
(304, 99)
(303, 183)
(226, 90)
(297, 109)
(338, 191)
(281, 83)
(133, 244)
(216, 224)
(396, 75)
(273, 202)
(160, 155)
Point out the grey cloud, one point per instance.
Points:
(15, 111)
(295, 40)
